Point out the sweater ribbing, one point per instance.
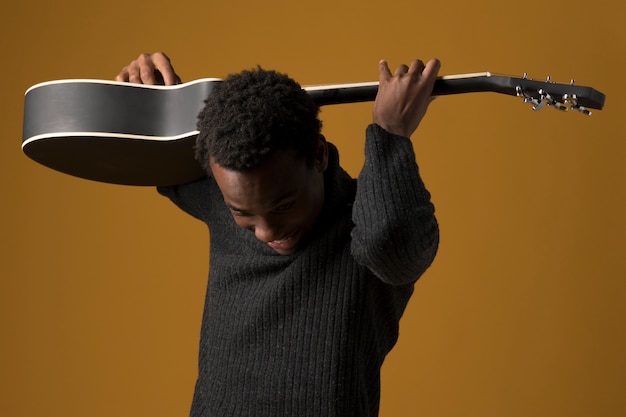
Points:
(306, 334)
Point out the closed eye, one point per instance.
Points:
(285, 207)
(238, 212)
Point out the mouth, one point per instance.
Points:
(284, 245)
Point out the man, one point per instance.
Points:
(310, 270)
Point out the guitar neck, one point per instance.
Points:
(361, 92)
(466, 83)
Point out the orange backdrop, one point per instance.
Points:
(522, 313)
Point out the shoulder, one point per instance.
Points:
(196, 198)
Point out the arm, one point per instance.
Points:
(396, 234)
(157, 69)
(195, 198)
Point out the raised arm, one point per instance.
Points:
(396, 234)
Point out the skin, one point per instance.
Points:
(282, 209)
(152, 69)
(279, 209)
(403, 98)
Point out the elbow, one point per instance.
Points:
(399, 258)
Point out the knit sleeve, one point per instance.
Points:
(194, 198)
(395, 231)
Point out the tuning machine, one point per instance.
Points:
(541, 98)
(551, 101)
(572, 102)
(537, 102)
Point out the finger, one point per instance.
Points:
(432, 67)
(163, 64)
(122, 76)
(402, 69)
(383, 70)
(133, 74)
(143, 70)
(431, 71)
(417, 66)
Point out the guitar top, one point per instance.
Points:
(135, 134)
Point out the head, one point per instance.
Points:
(260, 138)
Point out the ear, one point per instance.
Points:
(321, 155)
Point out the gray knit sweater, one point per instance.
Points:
(306, 334)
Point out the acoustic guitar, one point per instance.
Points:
(134, 134)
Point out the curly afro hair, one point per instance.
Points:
(253, 113)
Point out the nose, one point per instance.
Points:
(265, 231)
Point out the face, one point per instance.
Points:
(280, 200)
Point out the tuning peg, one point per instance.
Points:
(544, 98)
(535, 102)
(558, 105)
(570, 100)
(582, 109)
(551, 101)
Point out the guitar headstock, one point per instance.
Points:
(563, 97)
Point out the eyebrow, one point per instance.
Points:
(273, 204)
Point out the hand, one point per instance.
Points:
(154, 69)
(403, 98)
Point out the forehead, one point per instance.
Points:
(282, 174)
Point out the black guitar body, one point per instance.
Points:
(119, 133)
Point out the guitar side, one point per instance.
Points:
(118, 133)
